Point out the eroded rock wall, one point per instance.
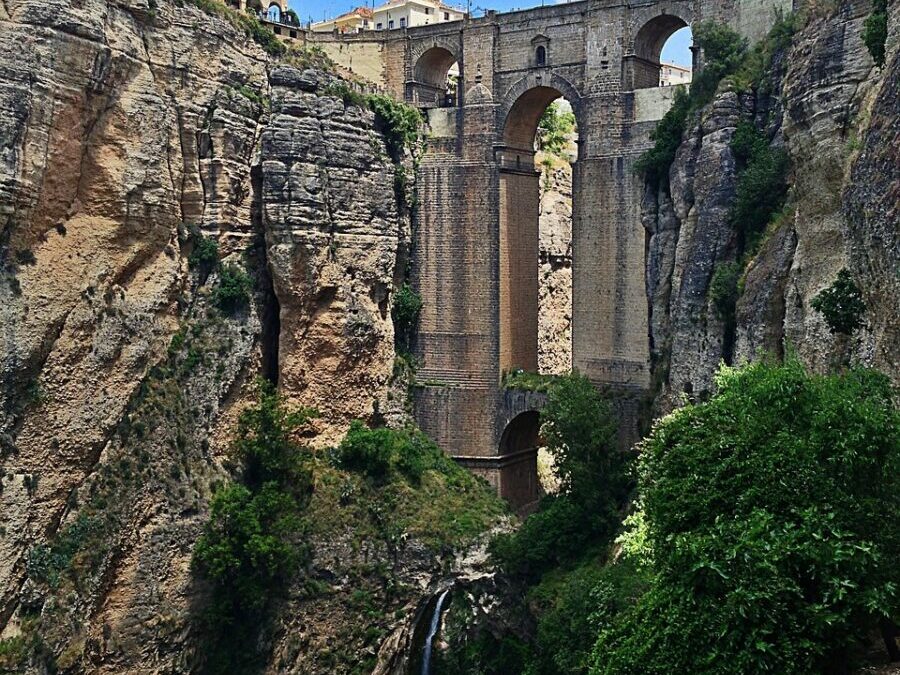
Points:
(123, 125)
(835, 114)
(555, 267)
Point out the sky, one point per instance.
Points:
(676, 49)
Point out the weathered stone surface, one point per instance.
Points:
(555, 268)
(825, 98)
(332, 227)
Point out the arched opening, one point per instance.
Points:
(664, 37)
(518, 449)
(436, 79)
(274, 13)
(536, 190)
(540, 55)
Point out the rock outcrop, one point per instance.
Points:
(555, 267)
(835, 114)
(129, 130)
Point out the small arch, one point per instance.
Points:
(274, 13)
(522, 433)
(519, 483)
(648, 46)
(522, 119)
(540, 55)
(436, 78)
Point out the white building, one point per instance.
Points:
(352, 22)
(410, 13)
(671, 74)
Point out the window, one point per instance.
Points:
(428, 10)
(365, 23)
(391, 24)
(446, 16)
(540, 55)
(277, 30)
(403, 22)
(294, 34)
(378, 26)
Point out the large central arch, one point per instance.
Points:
(519, 202)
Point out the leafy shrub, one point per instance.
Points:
(405, 314)
(841, 304)
(398, 122)
(250, 547)
(723, 289)
(654, 164)
(572, 607)
(555, 130)
(205, 255)
(381, 453)
(875, 31)
(52, 562)
(233, 292)
(772, 517)
(761, 185)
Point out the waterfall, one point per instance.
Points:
(432, 631)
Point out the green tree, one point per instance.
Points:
(841, 304)
(772, 518)
(251, 546)
(875, 31)
(556, 129)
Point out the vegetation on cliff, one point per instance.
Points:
(770, 527)
(252, 545)
(875, 31)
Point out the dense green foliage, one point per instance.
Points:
(723, 289)
(654, 164)
(555, 130)
(841, 304)
(770, 527)
(580, 432)
(761, 185)
(251, 545)
(405, 314)
(233, 292)
(382, 452)
(400, 123)
(205, 255)
(875, 31)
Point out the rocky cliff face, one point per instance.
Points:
(123, 124)
(835, 113)
(555, 267)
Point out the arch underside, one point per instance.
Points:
(648, 46)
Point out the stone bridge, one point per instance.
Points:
(476, 235)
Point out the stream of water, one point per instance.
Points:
(432, 631)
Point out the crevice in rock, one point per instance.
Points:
(269, 306)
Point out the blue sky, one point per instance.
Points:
(675, 51)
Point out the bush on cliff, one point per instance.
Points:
(771, 527)
(841, 304)
(251, 546)
(875, 31)
(382, 452)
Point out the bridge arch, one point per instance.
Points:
(518, 446)
(525, 102)
(643, 66)
(431, 66)
(519, 215)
